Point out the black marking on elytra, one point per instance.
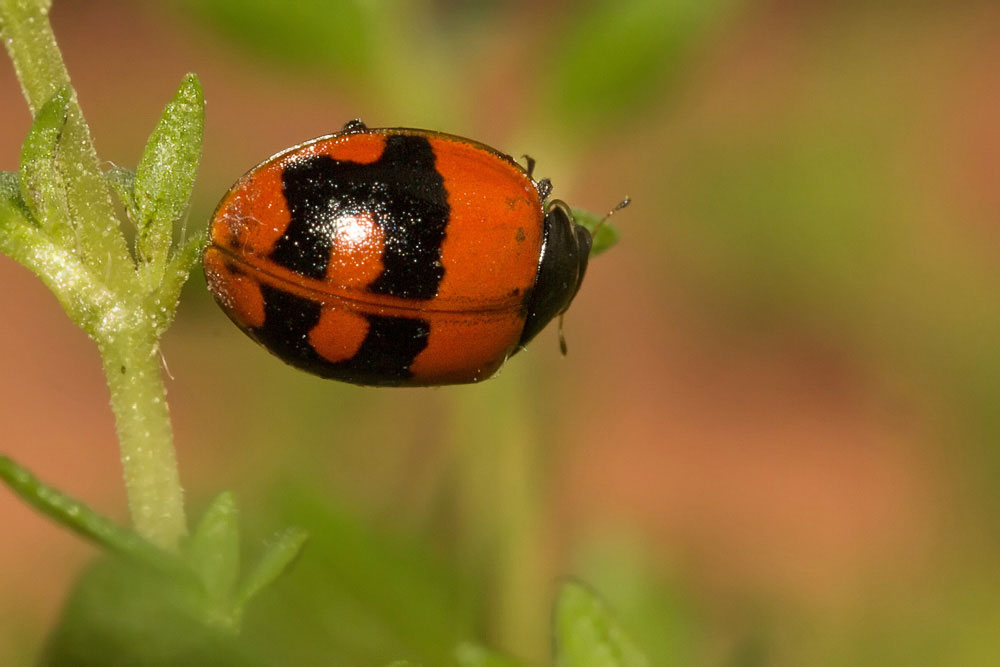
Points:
(384, 357)
(402, 191)
(288, 319)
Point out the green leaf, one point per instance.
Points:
(122, 181)
(360, 593)
(587, 634)
(403, 663)
(10, 185)
(43, 186)
(119, 614)
(660, 616)
(276, 560)
(165, 175)
(604, 239)
(12, 208)
(213, 551)
(176, 274)
(606, 235)
(473, 655)
(83, 296)
(174, 277)
(81, 519)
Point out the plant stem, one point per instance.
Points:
(119, 320)
(138, 399)
(500, 524)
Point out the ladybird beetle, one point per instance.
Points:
(393, 256)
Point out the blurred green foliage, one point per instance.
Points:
(316, 34)
(597, 60)
(612, 58)
(357, 597)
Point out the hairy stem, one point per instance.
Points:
(138, 398)
(98, 283)
(500, 526)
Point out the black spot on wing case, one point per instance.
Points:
(385, 355)
(402, 191)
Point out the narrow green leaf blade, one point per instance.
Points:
(10, 185)
(42, 183)
(165, 175)
(276, 560)
(83, 296)
(81, 519)
(587, 634)
(213, 551)
(174, 277)
(13, 211)
(122, 181)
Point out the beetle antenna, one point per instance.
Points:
(622, 204)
